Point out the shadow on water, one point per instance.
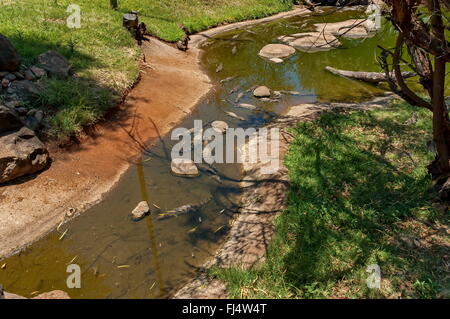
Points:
(120, 258)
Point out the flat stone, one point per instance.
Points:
(276, 51)
(55, 64)
(141, 210)
(9, 59)
(219, 126)
(25, 90)
(184, 167)
(261, 91)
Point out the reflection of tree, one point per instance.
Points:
(151, 231)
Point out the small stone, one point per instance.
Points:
(184, 167)
(5, 82)
(141, 210)
(38, 72)
(29, 75)
(261, 91)
(276, 60)
(276, 51)
(219, 126)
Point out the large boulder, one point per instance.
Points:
(8, 120)
(21, 153)
(281, 51)
(9, 59)
(55, 64)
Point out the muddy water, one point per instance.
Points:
(120, 258)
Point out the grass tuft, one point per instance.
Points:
(360, 195)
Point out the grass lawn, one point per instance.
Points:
(103, 54)
(360, 195)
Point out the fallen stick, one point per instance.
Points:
(371, 77)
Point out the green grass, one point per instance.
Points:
(102, 52)
(360, 195)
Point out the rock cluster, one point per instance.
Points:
(21, 151)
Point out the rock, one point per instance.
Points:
(19, 75)
(219, 126)
(261, 91)
(8, 120)
(315, 41)
(38, 72)
(276, 60)
(29, 75)
(276, 51)
(353, 29)
(184, 167)
(247, 106)
(141, 210)
(34, 121)
(10, 77)
(21, 153)
(5, 82)
(55, 64)
(25, 90)
(55, 294)
(9, 59)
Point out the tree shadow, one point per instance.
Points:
(349, 198)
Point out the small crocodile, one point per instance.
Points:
(185, 209)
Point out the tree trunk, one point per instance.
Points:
(113, 4)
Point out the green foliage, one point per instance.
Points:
(359, 185)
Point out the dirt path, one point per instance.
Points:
(171, 85)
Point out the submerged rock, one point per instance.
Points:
(8, 120)
(276, 51)
(184, 167)
(21, 153)
(261, 91)
(141, 210)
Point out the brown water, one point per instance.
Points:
(120, 258)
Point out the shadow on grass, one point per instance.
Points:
(356, 181)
